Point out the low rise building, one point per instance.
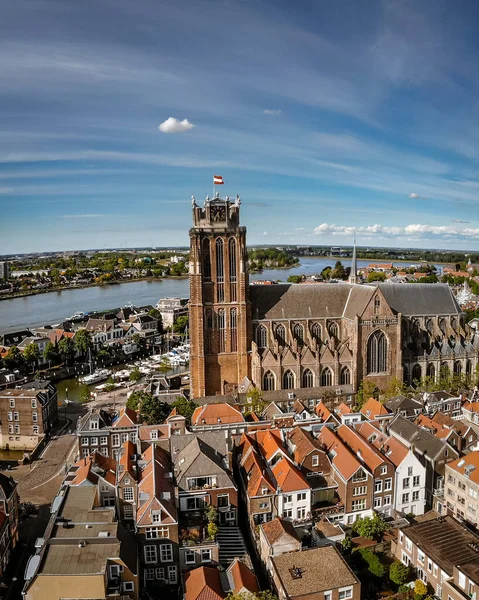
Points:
(462, 488)
(172, 308)
(27, 415)
(316, 574)
(85, 553)
(9, 519)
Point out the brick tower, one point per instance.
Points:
(220, 312)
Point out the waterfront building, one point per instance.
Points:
(27, 415)
(172, 308)
(329, 336)
(4, 270)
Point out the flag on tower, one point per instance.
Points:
(218, 180)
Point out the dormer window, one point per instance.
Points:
(264, 491)
(154, 434)
(93, 424)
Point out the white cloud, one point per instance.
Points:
(172, 125)
(414, 231)
(414, 195)
(265, 233)
(272, 111)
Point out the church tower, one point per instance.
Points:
(353, 276)
(220, 312)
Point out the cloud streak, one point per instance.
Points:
(412, 231)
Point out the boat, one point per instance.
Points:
(95, 377)
(78, 316)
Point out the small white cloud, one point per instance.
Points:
(272, 111)
(265, 233)
(172, 125)
(414, 195)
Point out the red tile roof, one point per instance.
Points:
(387, 445)
(373, 408)
(342, 459)
(242, 577)
(212, 414)
(274, 529)
(126, 418)
(203, 583)
(288, 477)
(364, 451)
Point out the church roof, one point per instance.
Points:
(299, 301)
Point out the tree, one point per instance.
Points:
(135, 375)
(13, 359)
(50, 354)
(420, 588)
(367, 389)
(211, 514)
(212, 530)
(326, 273)
(184, 407)
(66, 348)
(31, 354)
(395, 388)
(295, 279)
(84, 394)
(399, 573)
(376, 276)
(181, 324)
(255, 398)
(110, 385)
(82, 341)
(339, 272)
(371, 528)
(151, 410)
(374, 565)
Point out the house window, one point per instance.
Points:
(10, 429)
(150, 554)
(94, 441)
(415, 496)
(345, 593)
(328, 595)
(264, 491)
(166, 553)
(387, 500)
(462, 580)
(194, 503)
(206, 555)
(12, 403)
(358, 504)
(360, 491)
(384, 470)
(34, 402)
(301, 496)
(34, 417)
(264, 505)
(36, 430)
(128, 512)
(115, 439)
(151, 533)
(405, 483)
(315, 460)
(10, 416)
(17, 429)
(415, 481)
(172, 574)
(149, 574)
(408, 544)
(288, 499)
(378, 486)
(420, 555)
(124, 438)
(190, 558)
(16, 416)
(378, 502)
(154, 434)
(288, 513)
(405, 498)
(85, 441)
(223, 500)
(160, 573)
(103, 441)
(301, 513)
(128, 494)
(388, 485)
(155, 517)
(128, 586)
(163, 532)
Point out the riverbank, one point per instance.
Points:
(377, 261)
(26, 293)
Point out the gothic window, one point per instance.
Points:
(308, 379)
(345, 376)
(234, 329)
(208, 329)
(316, 332)
(232, 255)
(415, 328)
(377, 305)
(377, 353)
(220, 270)
(221, 329)
(405, 375)
(334, 330)
(445, 369)
(298, 334)
(416, 373)
(431, 371)
(288, 380)
(468, 368)
(268, 381)
(281, 335)
(206, 260)
(326, 377)
(261, 336)
(457, 368)
(454, 323)
(429, 326)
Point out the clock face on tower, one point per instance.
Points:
(218, 213)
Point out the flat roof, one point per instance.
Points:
(75, 560)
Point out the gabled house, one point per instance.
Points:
(408, 408)
(157, 520)
(467, 435)
(381, 468)
(293, 491)
(432, 452)
(410, 473)
(373, 409)
(275, 538)
(355, 482)
(218, 416)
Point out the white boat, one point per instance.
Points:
(95, 377)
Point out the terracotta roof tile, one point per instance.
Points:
(373, 408)
(467, 465)
(364, 451)
(126, 418)
(342, 459)
(391, 447)
(274, 529)
(203, 583)
(343, 409)
(288, 477)
(304, 443)
(212, 414)
(242, 577)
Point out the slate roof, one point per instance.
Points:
(399, 403)
(424, 442)
(420, 298)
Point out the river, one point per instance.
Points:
(33, 311)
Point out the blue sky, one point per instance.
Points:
(326, 117)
